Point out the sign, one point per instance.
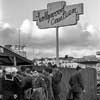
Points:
(55, 6)
(58, 14)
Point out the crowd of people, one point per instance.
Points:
(30, 84)
(37, 83)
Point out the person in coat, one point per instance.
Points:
(56, 79)
(76, 84)
(9, 85)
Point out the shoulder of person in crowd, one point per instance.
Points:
(19, 77)
(56, 70)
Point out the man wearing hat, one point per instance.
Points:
(76, 84)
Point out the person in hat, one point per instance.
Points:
(56, 79)
(9, 85)
(48, 79)
(76, 84)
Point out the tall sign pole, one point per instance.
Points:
(57, 46)
(58, 15)
(19, 40)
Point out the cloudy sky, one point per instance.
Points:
(78, 40)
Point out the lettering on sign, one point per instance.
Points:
(53, 17)
(71, 20)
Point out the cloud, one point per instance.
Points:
(38, 53)
(7, 34)
(75, 37)
(26, 26)
(91, 29)
(75, 40)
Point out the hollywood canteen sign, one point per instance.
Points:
(58, 14)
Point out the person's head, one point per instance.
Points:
(49, 70)
(44, 72)
(8, 70)
(78, 68)
(14, 71)
(49, 64)
(54, 66)
(27, 70)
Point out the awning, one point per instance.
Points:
(7, 57)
